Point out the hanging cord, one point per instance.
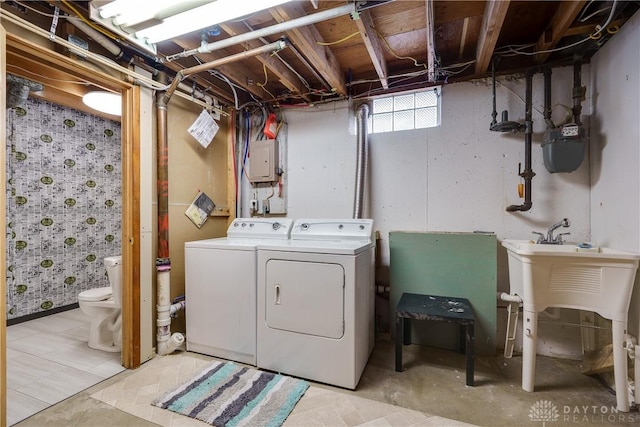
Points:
(245, 154)
(266, 79)
(344, 39)
(415, 61)
(232, 125)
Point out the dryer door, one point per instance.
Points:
(305, 297)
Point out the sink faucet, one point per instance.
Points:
(549, 239)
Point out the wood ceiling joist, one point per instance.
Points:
(306, 40)
(431, 51)
(494, 15)
(374, 48)
(287, 78)
(561, 21)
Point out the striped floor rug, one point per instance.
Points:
(226, 394)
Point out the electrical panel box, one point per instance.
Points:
(263, 160)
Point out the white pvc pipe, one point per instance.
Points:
(167, 343)
(176, 307)
(508, 297)
(268, 31)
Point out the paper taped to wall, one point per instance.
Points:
(204, 129)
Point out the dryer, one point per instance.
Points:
(316, 301)
(220, 288)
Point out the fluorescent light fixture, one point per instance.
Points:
(203, 17)
(106, 102)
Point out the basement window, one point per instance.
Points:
(415, 110)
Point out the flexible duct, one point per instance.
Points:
(361, 160)
(18, 90)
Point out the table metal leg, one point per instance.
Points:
(470, 352)
(399, 342)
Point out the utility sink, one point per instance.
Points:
(567, 276)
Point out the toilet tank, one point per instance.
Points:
(113, 264)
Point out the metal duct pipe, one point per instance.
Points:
(361, 160)
(527, 173)
(577, 92)
(268, 31)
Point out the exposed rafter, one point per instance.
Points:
(306, 40)
(287, 78)
(561, 21)
(431, 50)
(494, 14)
(372, 43)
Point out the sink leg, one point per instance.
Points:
(529, 340)
(620, 365)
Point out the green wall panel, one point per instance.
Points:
(460, 265)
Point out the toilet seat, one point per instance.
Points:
(96, 294)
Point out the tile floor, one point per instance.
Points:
(48, 360)
(319, 406)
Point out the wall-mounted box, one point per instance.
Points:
(263, 160)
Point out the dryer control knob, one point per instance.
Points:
(276, 226)
(235, 224)
(304, 226)
(244, 224)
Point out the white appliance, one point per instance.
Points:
(220, 288)
(316, 301)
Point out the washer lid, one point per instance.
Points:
(96, 294)
(224, 243)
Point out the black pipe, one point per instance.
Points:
(547, 98)
(527, 173)
(577, 92)
(494, 113)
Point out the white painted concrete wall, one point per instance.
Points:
(457, 177)
(615, 142)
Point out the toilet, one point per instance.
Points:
(103, 306)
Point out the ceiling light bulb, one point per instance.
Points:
(106, 102)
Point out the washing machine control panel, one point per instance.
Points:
(332, 229)
(258, 228)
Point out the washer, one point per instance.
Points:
(316, 301)
(220, 288)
